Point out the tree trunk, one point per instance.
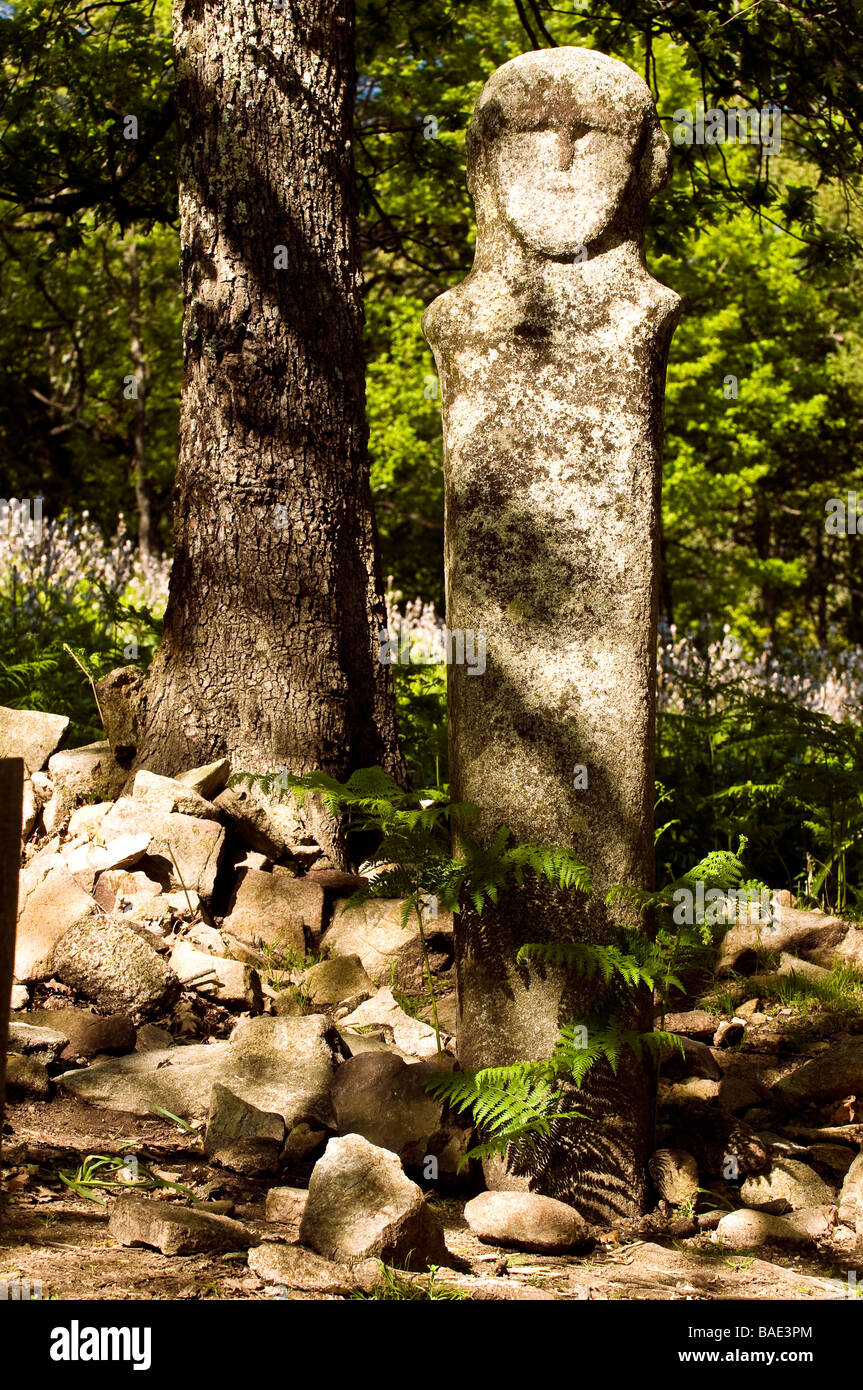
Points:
(270, 653)
(139, 429)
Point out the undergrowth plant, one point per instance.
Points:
(516, 1108)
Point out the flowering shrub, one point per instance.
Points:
(66, 585)
(812, 680)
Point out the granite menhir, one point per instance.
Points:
(552, 356)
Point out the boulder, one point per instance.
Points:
(252, 822)
(285, 1065)
(362, 1205)
(31, 735)
(730, 1032)
(87, 819)
(155, 793)
(47, 912)
(831, 1075)
(692, 1059)
(279, 1065)
(275, 909)
(525, 1221)
(695, 1023)
(240, 1136)
(851, 1197)
(230, 982)
(119, 695)
(749, 1230)
(86, 1034)
(81, 774)
(31, 1040)
(297, 1268)
(152, 1038)
(184, 851)
(27, 1076)
(31, 805)
(409, 1034)
(675, 1175)
(848, 951)
(207, 781)
(174, 1230)
(793, 930)
(113, 965)
(380, 1097)
(335, 980)
(390, 953)
(786, 1186)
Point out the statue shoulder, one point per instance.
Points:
(443, 318)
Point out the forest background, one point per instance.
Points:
(761, 624)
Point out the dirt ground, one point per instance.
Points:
(52, 1234)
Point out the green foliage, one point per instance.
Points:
(517, 1107)
(413, 859)
(396, 1286)
(789, 778)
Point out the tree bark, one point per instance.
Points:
(270, 653)
(11, 791)
(139, 428)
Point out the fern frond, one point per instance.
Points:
(589, 960)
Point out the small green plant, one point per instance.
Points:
(396, 1285)
(181, 1123)
(99, 1172)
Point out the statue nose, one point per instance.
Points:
(569, 143)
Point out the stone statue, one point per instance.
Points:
(551, 356)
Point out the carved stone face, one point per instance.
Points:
(565, 145)
(560, 186)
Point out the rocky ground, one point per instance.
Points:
(216, 1079)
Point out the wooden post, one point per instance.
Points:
(11, 796)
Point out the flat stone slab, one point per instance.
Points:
(174, 1230)
(45, 1044)
(281, 1065)
(298, 1268)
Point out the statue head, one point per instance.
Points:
(565, 147)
